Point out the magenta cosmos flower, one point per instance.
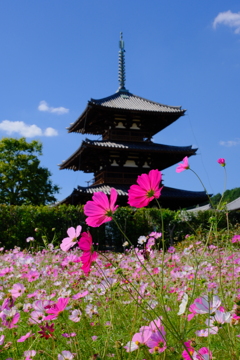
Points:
(89, 255)
(71, 240)
(57, 308)
(148, 188)
(100, 209)
(222, 162)
(183, 166)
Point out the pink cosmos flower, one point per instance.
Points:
(235, 239)
(156, 342)
(100, 209)
(17, 290)
(71, 240)
(57, 308)
(185, 353)
(80, 295)
(9, 317)
(183, 166)
(138, 339)
(147, 189)
(89, 255)
(25, 337)
(222, 162)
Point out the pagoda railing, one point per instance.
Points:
(115, 178)
(126, 136)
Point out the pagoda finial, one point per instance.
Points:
(121, 65)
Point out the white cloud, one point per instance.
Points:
(28, 131)
(230, 143)
(43, 106)
(50, 132)
(228, 18)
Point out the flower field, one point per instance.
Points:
(141, 304)
(72, 302)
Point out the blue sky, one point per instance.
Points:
(57, 55)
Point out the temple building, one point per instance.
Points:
(126, 124)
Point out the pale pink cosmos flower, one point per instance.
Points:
(183, 166)
(222, 162)
(57, 308)
(9, 317)
(203, 354)
(138, 339)
(71, 240)
(205, 306)
(17, 290)
(100, 209)
(148, 188)
(91, 310)
(29, 354)
(2, 337)
(66, 355)
(37, 317)
(80, 295)
(75, 315)
(89, 255)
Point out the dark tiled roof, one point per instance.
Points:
(137, 145)
(123, 191)
(128, 101)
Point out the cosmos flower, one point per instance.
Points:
(183, 166)
(100, 209)
(57, 308)
(89, 255)
(235, 239)
(148, 188)
(17, 290)
(71, 240)
(66, 355)
(156, 342)
(222, 162)
(25, 337)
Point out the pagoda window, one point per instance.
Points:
(146, 165)
(130, 163)
(120, 125)
(114, 163)
(134, 127)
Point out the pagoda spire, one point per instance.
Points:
(121, 65)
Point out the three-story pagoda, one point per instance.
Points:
(126, 123)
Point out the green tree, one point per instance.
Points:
(22, 180)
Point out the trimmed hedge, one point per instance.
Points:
(19, 222)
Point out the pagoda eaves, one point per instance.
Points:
(126, 110)
(147, 154)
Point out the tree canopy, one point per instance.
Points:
(228, 196)
(22, 179)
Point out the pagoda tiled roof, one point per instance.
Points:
(170, 197)
(93, 118)
(122, 190)
(147, 145)
(131, 146)
(129, 101)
